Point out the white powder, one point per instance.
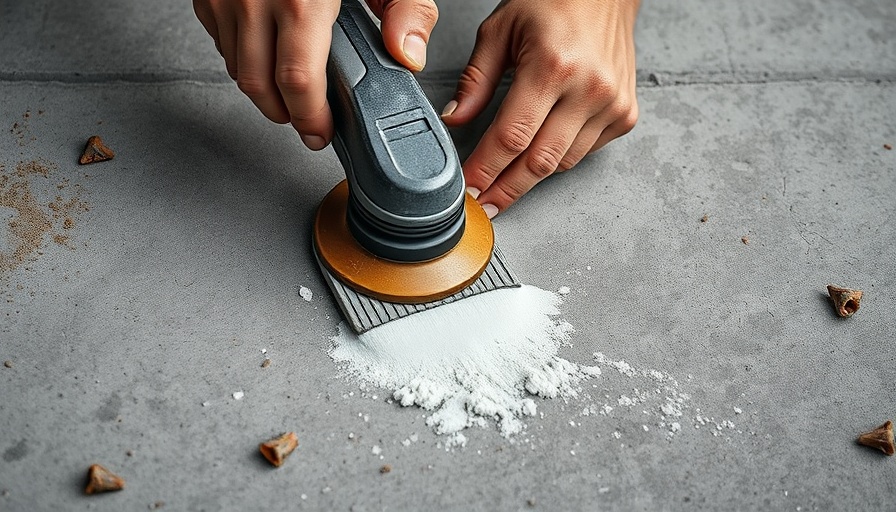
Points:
(306, 293)
(474, 362)
(486, 360)
(238, 395)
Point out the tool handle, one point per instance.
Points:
(399, 159)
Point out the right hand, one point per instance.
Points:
(277, 52)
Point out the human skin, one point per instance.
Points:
(573, 87)
(573, 91)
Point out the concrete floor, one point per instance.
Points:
(185, 254)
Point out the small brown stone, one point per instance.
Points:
(95, 151)
(278, 449)
(266, 363)
(888, 146)
(880, 438)
(704, 218)
(745, 240)
(101, 479)
(846, 301)
(387, 468)
(7, 363)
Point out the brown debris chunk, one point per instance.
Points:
(278, 449)
(745, 240)
(7, 363)
(888, 146)
(95, 151)
(101, 479)
(704, 218)
(880, 438)
(266, 363)
(846, 301)
(387, 468)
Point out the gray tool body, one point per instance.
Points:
(406, 187)
(405, 180)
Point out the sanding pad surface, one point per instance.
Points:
(402, 282)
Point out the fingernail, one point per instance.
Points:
(314, 142)
(449, 108)
(490, 210)
(414, 48)
(473, 191)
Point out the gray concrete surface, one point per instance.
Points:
(187, 251)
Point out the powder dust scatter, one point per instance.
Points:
(21, 131)
(477, 362)
(25, 221)
(486, 360)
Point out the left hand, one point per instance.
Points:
(573, 91)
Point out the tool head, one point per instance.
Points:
(400, 281)
(400, 235)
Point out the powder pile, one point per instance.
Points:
(470, 363)
(486, 359)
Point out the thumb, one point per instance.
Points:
(406, 25)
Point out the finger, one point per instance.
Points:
(617, 129)
(406, 26)
(519, 118)
(536, 163)
(597, 133)
(303, 43)
(206, 18)
(227, 37)
(581, 146)
(481, 77)
(255, 76)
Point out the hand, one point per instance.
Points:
(573, 91)
(277, 52)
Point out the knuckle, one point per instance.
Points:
(628, 121)
(487, 29)
(426, 10)
(296, 8)
(515, 138)
(569, 161)
(473, 76)
(544, 160)
(251, 86)
(506, 194)
(562, 66)
(599, 87)
(292, 80)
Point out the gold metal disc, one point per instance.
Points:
(394, 281)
